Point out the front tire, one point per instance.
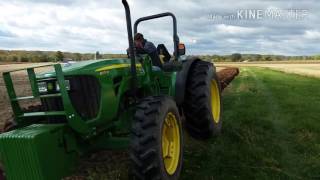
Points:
(156, 141)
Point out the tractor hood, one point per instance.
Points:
(85, 67)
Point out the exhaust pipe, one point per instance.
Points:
(131, 47)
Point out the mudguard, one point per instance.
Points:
(182, 77)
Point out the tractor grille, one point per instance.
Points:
(84, 94)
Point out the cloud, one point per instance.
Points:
(312, 34)
(237, 30)
(89, 26)
(5, 33)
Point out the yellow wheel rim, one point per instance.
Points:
(215, 101)
(171, 143)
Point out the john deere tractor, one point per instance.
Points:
(112, 104)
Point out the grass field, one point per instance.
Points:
(271, 130)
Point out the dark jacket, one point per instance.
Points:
(150, 49)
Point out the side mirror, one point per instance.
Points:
(181, 49)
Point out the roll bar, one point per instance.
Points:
(175, 31)
(132, 52)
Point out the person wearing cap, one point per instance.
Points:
(145, 47)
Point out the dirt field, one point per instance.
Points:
(307, 69)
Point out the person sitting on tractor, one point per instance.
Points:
(146, 47)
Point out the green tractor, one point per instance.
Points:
(112, 104)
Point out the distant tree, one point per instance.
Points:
(97, 55)
(222, 58)
(280, 58)
(309, 58)
(268, 58)
(78, 57)
(43, 58)
(236, 57)
(317, 57)
(24, 59)
(14, 58)
(215, 58)
(258, 57)
(35, 58)
(51, 58)
(4, 58)
(59, 56)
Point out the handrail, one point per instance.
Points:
(32, 67)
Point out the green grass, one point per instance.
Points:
(271, 130)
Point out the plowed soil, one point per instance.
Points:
(226, 75)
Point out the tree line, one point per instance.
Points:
(237, 57)
(55, 56)
(51, 56)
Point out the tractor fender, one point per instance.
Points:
(182, 77)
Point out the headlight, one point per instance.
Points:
(51, 86)
(66, 82)
(42, 87)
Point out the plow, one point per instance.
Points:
(113, 104)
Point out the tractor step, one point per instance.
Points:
(33, 97)
(49, 113)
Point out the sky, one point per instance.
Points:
(288, 27)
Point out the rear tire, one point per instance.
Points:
(202, 104)
(156, 141)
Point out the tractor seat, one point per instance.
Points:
(163, 53)
(167, 65)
